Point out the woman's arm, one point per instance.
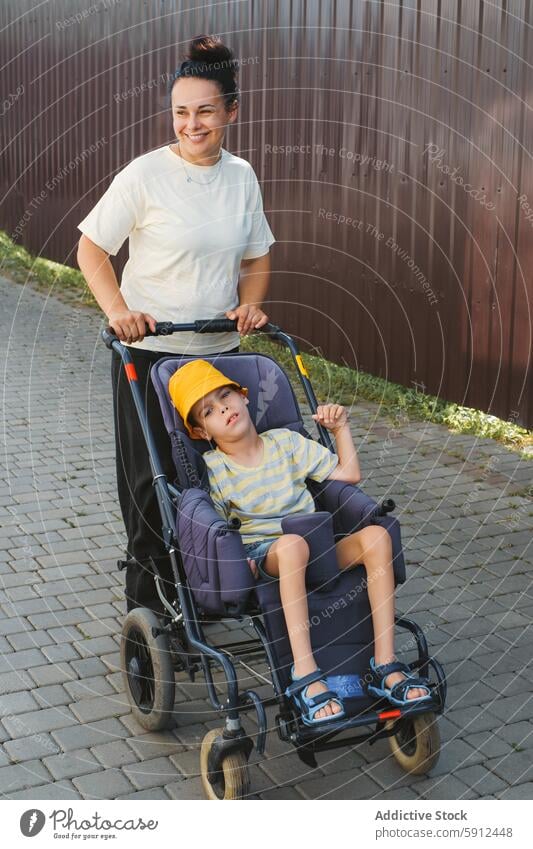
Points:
(101, 279)
(253, 288)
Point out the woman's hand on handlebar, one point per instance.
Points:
(249, 317)
(129, 326)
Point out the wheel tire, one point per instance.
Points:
(234, 777)
(147, 670)
(416, 743)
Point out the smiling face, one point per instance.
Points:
(199, 119)
(221, 415)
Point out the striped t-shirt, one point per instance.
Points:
(263, 495)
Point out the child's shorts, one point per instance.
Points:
(258, 551)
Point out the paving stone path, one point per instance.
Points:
(66, 729)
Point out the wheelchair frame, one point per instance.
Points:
(188, 644)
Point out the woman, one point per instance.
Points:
(198, 248)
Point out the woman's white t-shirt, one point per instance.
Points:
(189, 227)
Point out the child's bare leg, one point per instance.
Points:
(287, 560)
(372, 547)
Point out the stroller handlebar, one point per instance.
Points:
(224, 325)
(207, 325)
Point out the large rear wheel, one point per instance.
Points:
(147, 670)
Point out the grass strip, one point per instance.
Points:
(331, 382)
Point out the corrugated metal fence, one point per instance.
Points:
(393, 141)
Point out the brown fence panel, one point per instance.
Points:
(393, 141)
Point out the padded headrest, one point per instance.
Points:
(272, 400)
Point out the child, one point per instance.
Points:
(260, 478)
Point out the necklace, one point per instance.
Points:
(201, 182)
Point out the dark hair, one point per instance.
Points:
(209, 59)
(191, 421)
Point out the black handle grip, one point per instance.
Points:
(208, 325)
(388, 505)
(212, 325)
(216, 325)
(162, 328)
(108, 335)
(380, 510)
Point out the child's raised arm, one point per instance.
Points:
(335, 419)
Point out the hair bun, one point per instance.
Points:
(211, 50)
(208, 58)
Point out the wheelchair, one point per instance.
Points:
(210, 581)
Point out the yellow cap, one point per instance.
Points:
(194, 381)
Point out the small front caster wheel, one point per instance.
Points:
(232, 781)
(416, 743)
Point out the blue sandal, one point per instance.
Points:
(397, 694)
(310, 705)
